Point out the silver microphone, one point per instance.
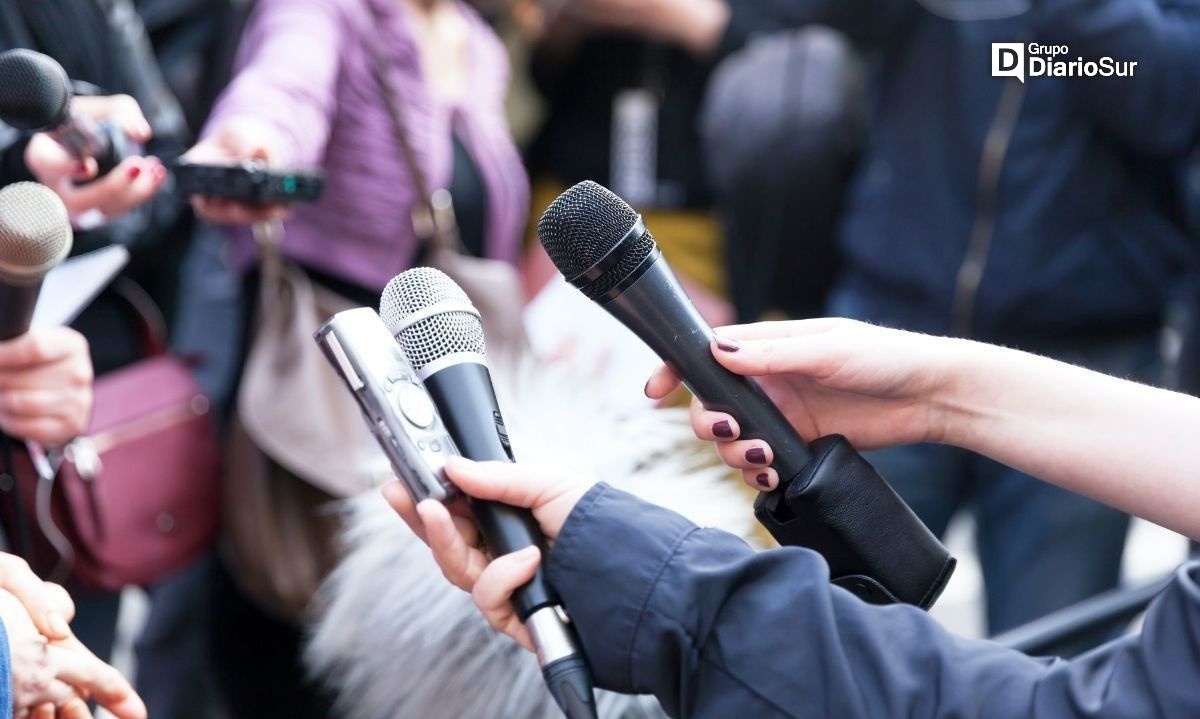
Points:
(442, 334)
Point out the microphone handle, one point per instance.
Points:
(16, 308)
(657, 309)
(461, 393)
(466, 400)
(82, 137)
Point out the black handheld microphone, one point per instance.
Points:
(35, 235)
(442, 334)
(35, 95)
(603, 248)
(837, 505)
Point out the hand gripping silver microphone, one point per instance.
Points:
(442, 335)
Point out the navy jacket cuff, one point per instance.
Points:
(605, 565)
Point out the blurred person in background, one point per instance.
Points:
(194, 42)
(1046, 215)
(737, 148)
(45, 671)
(305, 94)
(102, 46)
(623, 101)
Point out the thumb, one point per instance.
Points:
(511, 484)
(810, 356)
(246, 141)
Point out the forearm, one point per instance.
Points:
(697, 25)
(1133, 447)
(286, 78)
(708, 27)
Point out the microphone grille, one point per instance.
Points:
(35, 232)
(455, 330)
(34, 90)
(580, 227)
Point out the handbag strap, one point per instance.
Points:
(151, 325)
(433, 218)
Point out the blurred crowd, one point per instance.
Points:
(794, 158)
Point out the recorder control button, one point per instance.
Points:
(415, 405)
(435, 446)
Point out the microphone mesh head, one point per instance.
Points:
(454, 331)
(34, 90)
(580, 227)
(35, 232)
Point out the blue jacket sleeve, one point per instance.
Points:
(1157, 110)
(6, 698)
(715, 629)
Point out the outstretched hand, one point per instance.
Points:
(879, 387)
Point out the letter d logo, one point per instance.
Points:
(1008, 60)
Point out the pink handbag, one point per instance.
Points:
(134, 498)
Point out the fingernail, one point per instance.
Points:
(527, 553)
(80, 168)
(756, 455)
(134, 172)
(723, 429)
(727, 345)
(763, 480)
(58, 624)
(646, 389)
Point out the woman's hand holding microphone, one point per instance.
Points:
(878, 387)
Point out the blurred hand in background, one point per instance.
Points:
(127, 186)
(236, 141)
(53, 674)
(694, 24)
(45, 386)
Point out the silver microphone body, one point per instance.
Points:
(442, 334)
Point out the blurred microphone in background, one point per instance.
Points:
(36, 95)
(35, 235)
(77, 142)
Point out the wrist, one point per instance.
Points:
(958, 403)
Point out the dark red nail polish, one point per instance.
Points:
(763, 480)
(727, 345)
(134, 172)
(723, 429)
(756, 455)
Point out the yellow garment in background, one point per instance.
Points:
(690, 239)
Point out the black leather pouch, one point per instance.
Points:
(875, 545)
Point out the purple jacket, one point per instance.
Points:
(305, 69)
